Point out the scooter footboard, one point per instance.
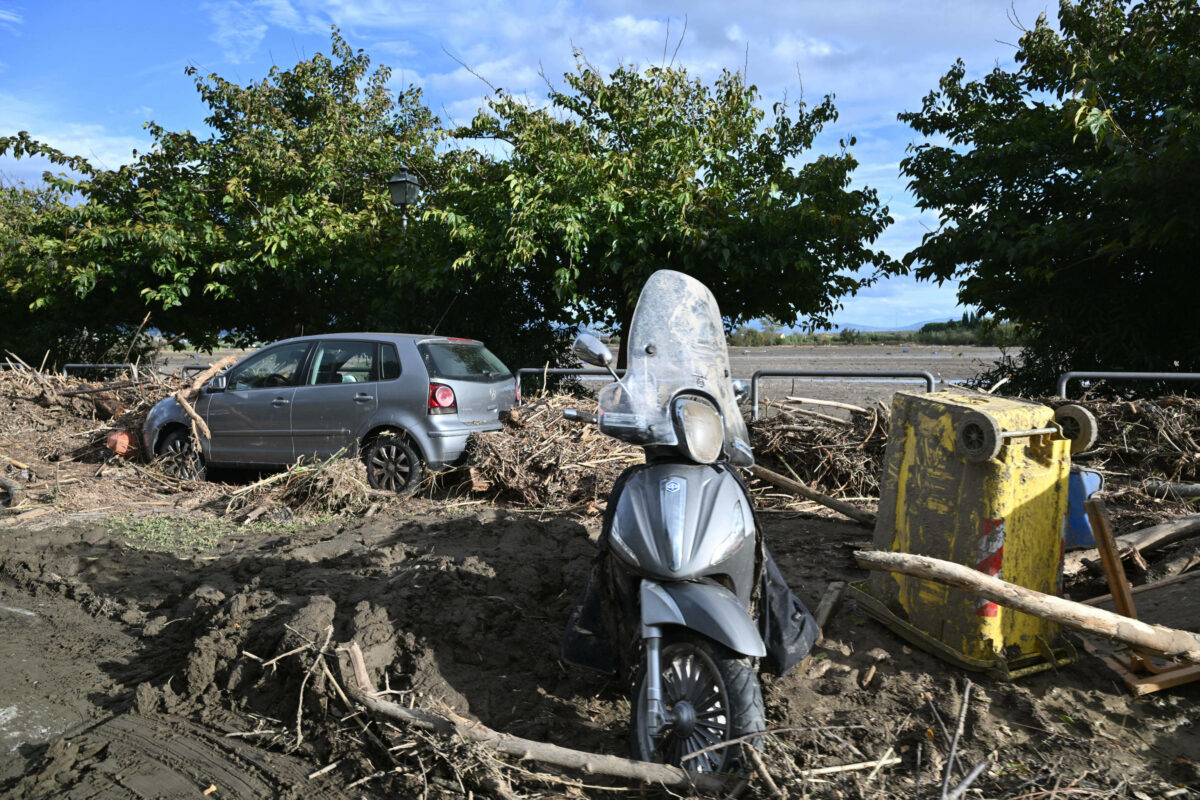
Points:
(711, 610)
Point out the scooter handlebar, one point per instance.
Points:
(575, 415)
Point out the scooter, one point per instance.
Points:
(683, 598)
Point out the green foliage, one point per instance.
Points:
(276, 223)
(653, 169)
(1069, 190)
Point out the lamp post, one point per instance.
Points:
(405, 189)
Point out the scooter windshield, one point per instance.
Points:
(676, 346)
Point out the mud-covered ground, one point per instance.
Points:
(133, 666)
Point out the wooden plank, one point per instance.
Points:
(1113, 570)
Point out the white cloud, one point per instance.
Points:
(102, 147)
(239, 28)
(9, 17)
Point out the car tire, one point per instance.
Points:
(178, 456)
(393, 464)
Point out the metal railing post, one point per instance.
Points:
(133, 370)
(523, 371)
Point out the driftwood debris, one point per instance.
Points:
(812, 401)
(449, 723)
(796, 487)
(185, 396)
(829, 601)
(1157, 638)
(1140, 542)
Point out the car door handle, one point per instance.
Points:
(363, 398)
(280, 402)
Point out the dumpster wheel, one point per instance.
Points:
(1078, 425)
(978, 436)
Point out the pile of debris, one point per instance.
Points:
(542, 460)
(838, 450)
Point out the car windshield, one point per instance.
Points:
(462, 361)
(676, 346)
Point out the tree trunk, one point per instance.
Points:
(1157, 638)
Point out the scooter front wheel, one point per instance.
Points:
(711, 695)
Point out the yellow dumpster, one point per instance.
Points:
(980, 481)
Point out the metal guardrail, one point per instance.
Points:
(866, 375)
(1067, 377)
(133, 370)
(524, 371)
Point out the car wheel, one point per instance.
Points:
(393, 465)
(179, 458)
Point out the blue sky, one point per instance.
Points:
(84, 75)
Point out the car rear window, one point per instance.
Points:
(462, 362)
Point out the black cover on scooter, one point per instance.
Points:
(787, 628)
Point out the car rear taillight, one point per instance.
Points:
(441, 399)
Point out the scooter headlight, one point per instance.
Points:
(733, 540)
(702, 434)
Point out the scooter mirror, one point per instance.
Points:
(591, 350)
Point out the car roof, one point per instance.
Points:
(414, 337)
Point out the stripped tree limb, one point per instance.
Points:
(197, 420)
(1141, 542)
(1156, 638)
(808, 412)
(184, 396)
(208, 374)
(845, 509)
(812, 401)
(449, 723)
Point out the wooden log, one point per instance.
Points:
(449, 723)
(1159, 536)
(12, 489)
(1157, 638)
(808, 412)
(1144, 541)
(829, 600)
(812, 401)
(796, 487)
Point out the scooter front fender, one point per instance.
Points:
(711, 610)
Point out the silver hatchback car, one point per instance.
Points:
(403, 402)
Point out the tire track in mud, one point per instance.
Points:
(132, 756)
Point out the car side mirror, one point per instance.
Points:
(590, 350)
(218, 384)
(741, 391)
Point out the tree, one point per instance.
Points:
(652, 169)
(1069, 189)
(275, 223)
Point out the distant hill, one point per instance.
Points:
(858, 326)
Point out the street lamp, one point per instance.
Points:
(405, 189)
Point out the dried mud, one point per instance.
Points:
(132, 673)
